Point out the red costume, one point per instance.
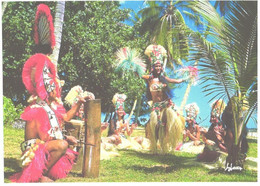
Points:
(39, 78)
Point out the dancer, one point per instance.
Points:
(46, 156)
(216, 133)
(165, 124)
(118, 126)
(192, 130)
(215, 136)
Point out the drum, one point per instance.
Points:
(76, 128)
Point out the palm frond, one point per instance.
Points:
(242, 33)
(214, 65)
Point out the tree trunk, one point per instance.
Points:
(4, 5)
(185, 98)
(138, 109)
(59, 16)
(132, 111)
(186, 95)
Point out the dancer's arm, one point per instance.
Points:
(75, 108)
(147, 77)
(174, 80)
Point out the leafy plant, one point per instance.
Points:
(11, 113)
(229, 65)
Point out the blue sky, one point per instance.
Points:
(196, 94)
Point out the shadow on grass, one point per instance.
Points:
(243, 173)
(250, 140)
(11, 164)
(75, 174)
(168, 162)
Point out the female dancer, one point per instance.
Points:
(165, 124)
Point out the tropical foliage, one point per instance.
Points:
(11, 112)
(87, 48)
(167, 27)
(230, 61)
(17, 46)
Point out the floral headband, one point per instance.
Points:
(118, 101)
(156, 53)
(192, 111)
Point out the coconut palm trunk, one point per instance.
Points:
(185, 98)
(58, 24)
(139, 106)
(132, 111)
(186, 94)
(4, 5)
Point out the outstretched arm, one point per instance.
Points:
(130, 130)
(147, 77)
(174, 80)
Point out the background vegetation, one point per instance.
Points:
(225, 47)
(92, 33)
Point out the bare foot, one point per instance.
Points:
(45, 179)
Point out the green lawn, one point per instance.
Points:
(134, 166)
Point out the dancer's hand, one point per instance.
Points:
(85, 96)
(134, 125)
(209, 142)
(196, 142)
(71, 140)
(104, 126)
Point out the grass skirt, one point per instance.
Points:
(168, 131)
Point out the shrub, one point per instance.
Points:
(11, 113)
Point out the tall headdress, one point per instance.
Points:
(192, 110)
(129, 60)
(156, 53)
(118, 101)
(43, 27)
(217, 108)
(39, 73)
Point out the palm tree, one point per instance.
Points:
(167, 27)
(4, 5)
(58, 23)
(229, 65)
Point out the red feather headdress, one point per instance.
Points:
(43, 28)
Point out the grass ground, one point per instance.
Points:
(134, 166)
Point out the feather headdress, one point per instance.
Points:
(156, 53)
(192, 110)
(129, 60)
(43, 27)
(189, 74)
(118, 101)
(75, 93)
(217, 108)
(39, 73)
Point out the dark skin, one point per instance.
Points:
(219, 136)
(115, 138)
(159, 95)
(193, 133)
(56, 148)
